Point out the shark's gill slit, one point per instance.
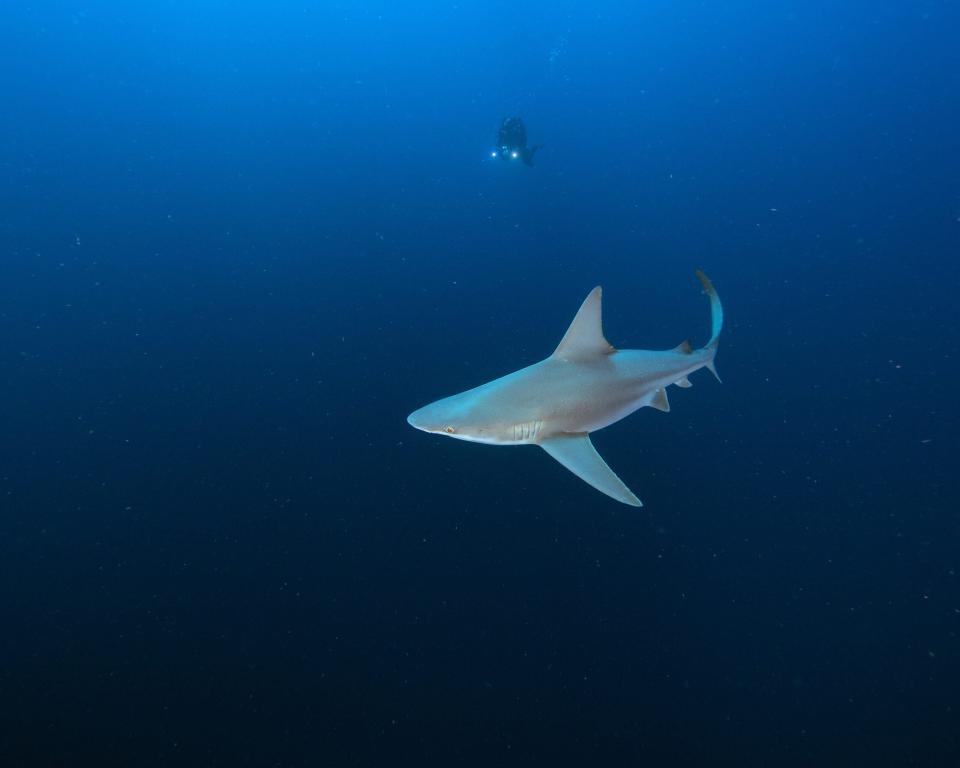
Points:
(526, 430)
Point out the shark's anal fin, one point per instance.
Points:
(577, 454)
(584, 339)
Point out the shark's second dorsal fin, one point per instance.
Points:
(584, 338)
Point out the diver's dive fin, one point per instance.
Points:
(528, 152)
(577, 454)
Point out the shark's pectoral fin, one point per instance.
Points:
(577, 454)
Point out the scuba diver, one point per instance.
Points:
(512, 142)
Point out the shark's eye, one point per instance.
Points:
(449, 430)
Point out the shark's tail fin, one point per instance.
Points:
(716, 320)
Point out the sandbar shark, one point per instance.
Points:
(585, 385)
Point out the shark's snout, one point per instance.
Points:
(433, 418)
(417, 421)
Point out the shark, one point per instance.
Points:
(584, 386)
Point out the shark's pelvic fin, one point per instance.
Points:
(660, 401)
(684, 348)
(584, 338)
(683, 383)
(577, 454)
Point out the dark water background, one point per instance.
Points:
(242, 241)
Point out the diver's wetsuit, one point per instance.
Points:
(513, 133)
(512, 141)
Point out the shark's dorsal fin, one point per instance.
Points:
(577, 454)
(584, 338)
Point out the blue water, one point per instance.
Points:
(242, 241)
